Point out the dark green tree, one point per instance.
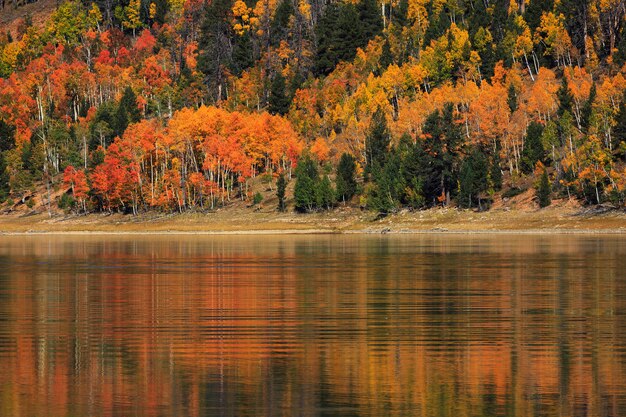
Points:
(345, 179)
(565, 97)
(543, 190)
(215, 46)
(281, 187)
(371, 21)
(443, 154)
(473, 179)
(279, 27)
(325, 33)
(587, 110)
(512, 98)
(278, 100)
(386, 58)
(377, 141)
(127, 112)
(533, 148)
(307, 178)
(243, 57)
(385, 191)
(342, 29)
(324, 193)
(414, 167)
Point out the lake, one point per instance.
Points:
(328, 325)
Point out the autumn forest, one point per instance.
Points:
(171, 105)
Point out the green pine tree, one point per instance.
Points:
(512, 98)
(279, 27)
(324, 193)
(533, 147)
(345, 179)
(473, 179)
(386, 58)
(278, 100)
(281, 187)
(377, 141)
(586, 111)
(565, 98)
(306, 183)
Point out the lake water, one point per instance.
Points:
(491, 325)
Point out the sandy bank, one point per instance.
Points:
(343, 220)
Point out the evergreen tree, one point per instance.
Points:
(214, 46)
(371, 21)
(543, 190)
(414, 166)
(377, 141)
(278, 100)
(565, 98)
(399, 14)
(586, 111)
(279, 27)
(306, 183)
(348, 34)
(281, 187)
(386, 188)
(325, 33)
(342, 29)
(345, 179)
(127, 112)
(324, 193)
(473, 179)
(386, 58)
(533, 147)
(242, 54)
(512, 98)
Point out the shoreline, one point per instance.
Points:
(346, 221)
(510, 232)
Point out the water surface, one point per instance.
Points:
(313, 326)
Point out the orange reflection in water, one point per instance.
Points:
(326, 325)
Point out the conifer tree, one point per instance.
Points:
(281, 187)
(565, 98)
(279, 28)
(386, 58)
(345, 180)
(278, 100)
(214, 46)
(512, 98)
(533, 148)
(306, 184)
(377, 141)
(324, 193)
(473, 178)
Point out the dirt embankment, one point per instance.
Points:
(556, 219)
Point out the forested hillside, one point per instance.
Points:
(174, 105)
